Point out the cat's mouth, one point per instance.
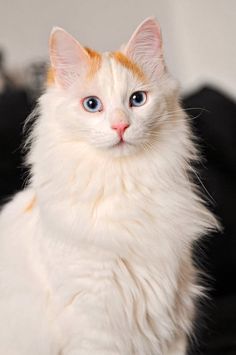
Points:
(121, 143)
(122, 146)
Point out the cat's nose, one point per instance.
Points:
(120, 127)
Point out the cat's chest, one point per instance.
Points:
(121, 204)
(115, 205)
(92, 284)
(78, 274)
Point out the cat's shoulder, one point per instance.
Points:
(21, 203)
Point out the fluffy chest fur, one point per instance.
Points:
(120, 256)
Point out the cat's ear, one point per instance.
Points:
(145, 48)
(69, 60)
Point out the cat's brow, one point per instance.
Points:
(128, 64)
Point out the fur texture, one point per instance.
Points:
(95, 255)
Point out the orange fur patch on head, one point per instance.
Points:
(129, 64)
(95, 61)
(30, 205)
(50, 76)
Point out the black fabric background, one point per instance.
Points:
(214, 123)
(14, 109)
(215, 127)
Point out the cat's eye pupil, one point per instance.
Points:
(92, 103)
(138, 98)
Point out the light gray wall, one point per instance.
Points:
(199, 35)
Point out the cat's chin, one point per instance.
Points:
(119, 149)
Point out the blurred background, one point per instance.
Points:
(200, 50)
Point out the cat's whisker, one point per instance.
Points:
(173, 118)
(209, 196)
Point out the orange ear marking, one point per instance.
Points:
(129, 64)
(50, 76)
(95, 61)
(30, 205)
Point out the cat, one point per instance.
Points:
(95, 254)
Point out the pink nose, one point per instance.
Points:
(120, 127)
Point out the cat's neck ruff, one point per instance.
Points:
(119, 204)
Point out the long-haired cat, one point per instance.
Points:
(95, 254)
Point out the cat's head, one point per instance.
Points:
(115, 101)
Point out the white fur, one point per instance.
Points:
(102, 262)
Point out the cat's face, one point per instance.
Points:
(115, 99)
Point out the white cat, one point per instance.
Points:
(95, 255)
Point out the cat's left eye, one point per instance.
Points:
(92, 104)
(138, 98)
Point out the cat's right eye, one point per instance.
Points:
(92, 104)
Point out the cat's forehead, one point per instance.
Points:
(113, 67)
(113, 64)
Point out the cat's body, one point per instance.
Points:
(95, 256)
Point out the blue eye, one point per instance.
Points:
(92, 104)
(138, 98)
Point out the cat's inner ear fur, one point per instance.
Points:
(145, 48)
(69, 60)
